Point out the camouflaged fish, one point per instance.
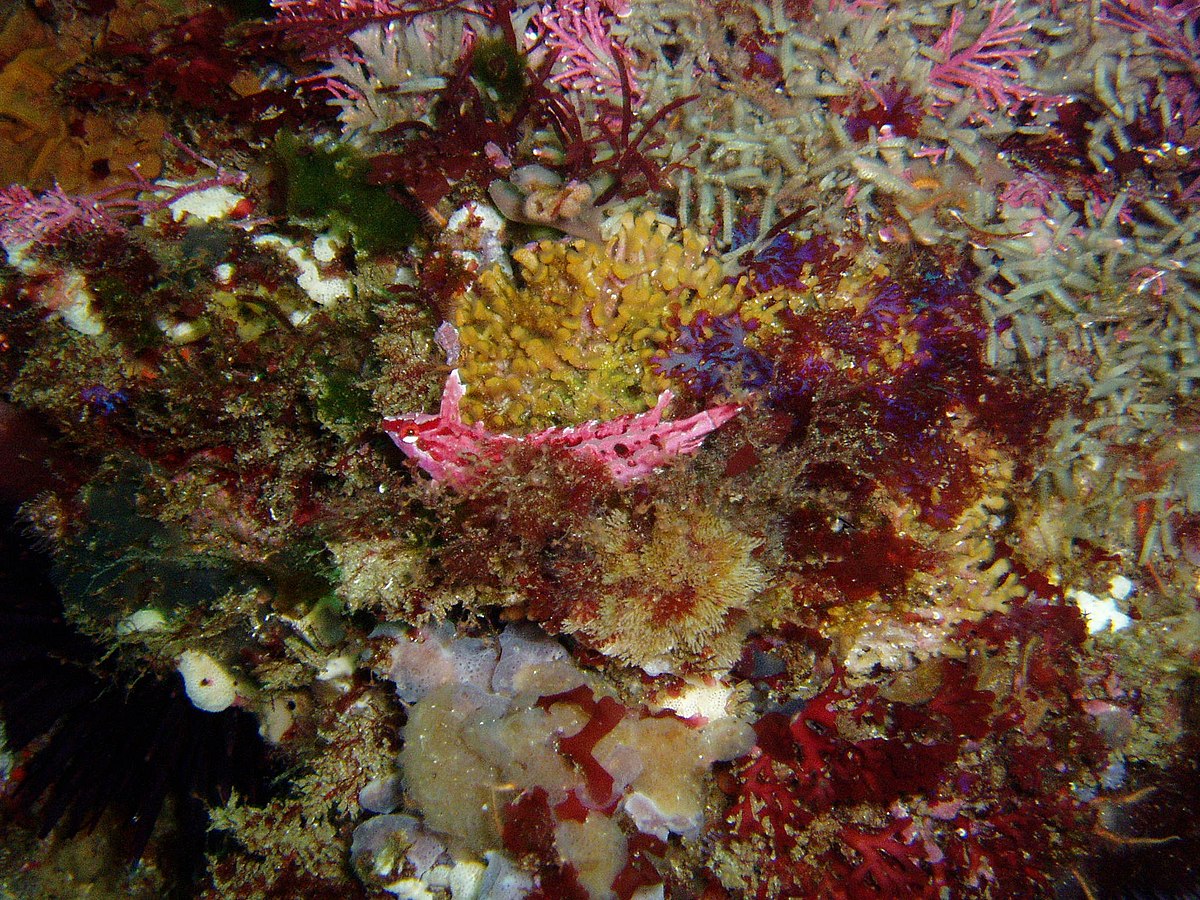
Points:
(630, 446)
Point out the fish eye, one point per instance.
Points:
(409, 434)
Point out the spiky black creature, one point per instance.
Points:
(99, 740)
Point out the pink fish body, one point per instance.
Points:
(630, 446)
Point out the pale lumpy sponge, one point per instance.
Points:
(495, 726)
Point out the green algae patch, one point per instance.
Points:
(332, 183)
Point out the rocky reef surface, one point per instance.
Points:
(477, 449)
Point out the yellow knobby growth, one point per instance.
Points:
(574, 341)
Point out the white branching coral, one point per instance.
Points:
(769, 130)
(939, 125)
(396, 73)
(1108, 300)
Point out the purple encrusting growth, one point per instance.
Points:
(629, 446)
(782, 262)
(950, 273)
(710, 355)
(887, 107)
(104, 401)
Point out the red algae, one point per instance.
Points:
(603, 715)
(860, 563)
(529, 827)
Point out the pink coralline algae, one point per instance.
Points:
(589, 57)
(989, 68)
(27, 218)
(1168, 26)
(630, 446)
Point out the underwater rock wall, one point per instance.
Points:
(592, 448)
